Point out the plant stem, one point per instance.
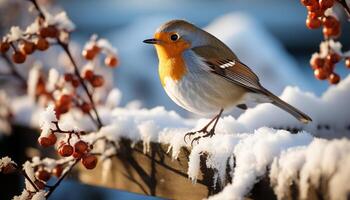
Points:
(13, 70)
(52, 188)
(81, 80)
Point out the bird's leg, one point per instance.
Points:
(205, 129)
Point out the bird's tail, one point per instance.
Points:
(288, 108)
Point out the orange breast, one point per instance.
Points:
(173, 68)
(171, 62)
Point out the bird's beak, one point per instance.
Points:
(151, 41)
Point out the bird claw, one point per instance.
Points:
(196, 139)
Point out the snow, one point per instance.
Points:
(60, 20)
(306, 165)
(53, 78)
(24, 196)
(27, 167)
(33, 78)
(46, 119)
(39, 195)
(5, 161)
(15, 34)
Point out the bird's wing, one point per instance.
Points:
(226, 64)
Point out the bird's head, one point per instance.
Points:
(174, 37)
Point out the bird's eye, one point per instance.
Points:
(174, 37)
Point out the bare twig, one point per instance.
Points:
(13, 70)
(52, 188)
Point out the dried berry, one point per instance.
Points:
(89, 161)
(44, 141)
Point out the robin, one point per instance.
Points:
(202, 75)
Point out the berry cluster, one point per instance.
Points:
(95, 47)
(320, 14)
(79, 150)
(25, 44)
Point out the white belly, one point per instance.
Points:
(203, 93)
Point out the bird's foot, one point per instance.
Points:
(196, 139)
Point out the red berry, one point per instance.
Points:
(89, 161)
(65, 99)
(330, 21)
(315, 14)
(331, 32)
(320, 74)
(89, 54)
(95, 49)
(326, 3)
(44, 141)
(314, 7)
(49, 31)
(316, 62)
(85, 107)
(39, 184)
(309, 2)
(88, 75)
(333, 57)
(75, 83)
(66, 150)
(347, 62)
(80, 147)
(77, 155)
(18, 57)
(9, 168)
(42, 44)
(42, 175)
(27, 47)
(57, 171)
(97, 81)
(313, 23)
(68, 77)
(333, 78)
(111, 61)
(4, 47)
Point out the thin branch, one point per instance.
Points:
(81, 80)
(29, 180)
(13, 70)
(37, 7)
(52, 188)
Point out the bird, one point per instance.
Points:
(205, 77)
